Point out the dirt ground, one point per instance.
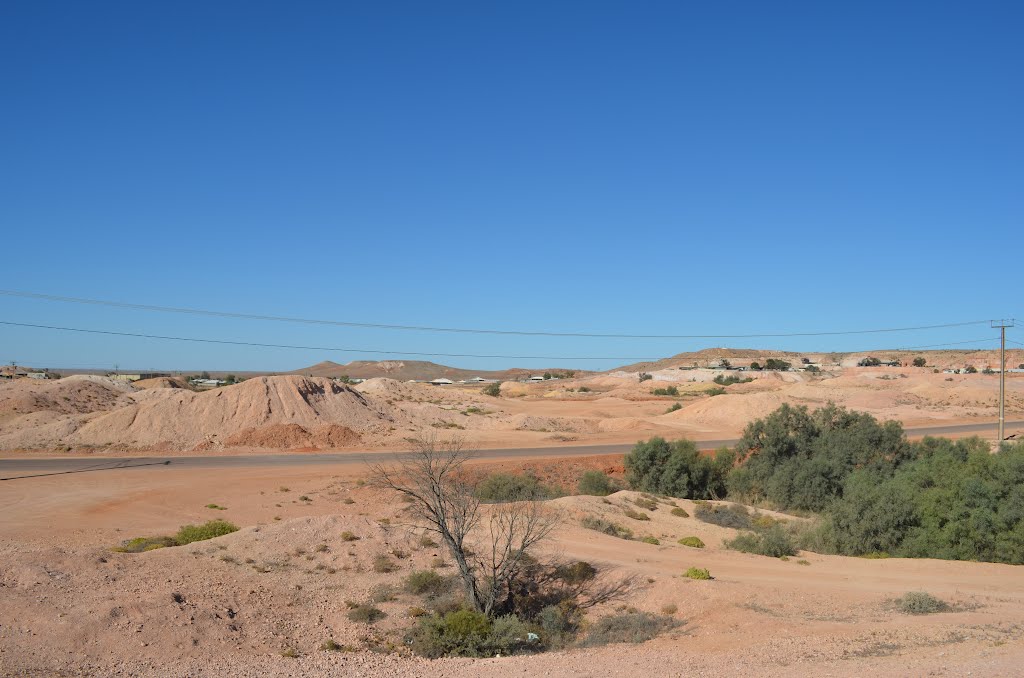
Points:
(230, 606)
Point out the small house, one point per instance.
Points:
(441, 381)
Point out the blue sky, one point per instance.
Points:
(650, 168)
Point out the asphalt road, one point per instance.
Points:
(15, 468)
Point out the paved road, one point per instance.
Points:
(13, 468)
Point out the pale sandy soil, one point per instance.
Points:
(94, 415)
(72, 607)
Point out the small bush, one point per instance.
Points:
(635, 515)
(651, 540)
(680, 512)
(596, 484)
(416, 612)
(628, 627)
(669, 391)
(348, 536)
(675, 407)
(698, 573)
(493, 390)
(462, 633)
(208, 530)
(499, 487)
(427, 542)
(426, 583)
(290, 653)
(382, 593)
(384, 564)
(671, 608)
(366, 614)
(919, 602)
(330, 645)
(734, 516)
(692, 542)
(648, 504)
(141, 544)
(607, 527)
(715, 391)
(774, 542)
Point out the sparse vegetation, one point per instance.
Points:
(692, 542)
(919, 602)
(426, 583)
(349, 536)
(679, 512)
(675, 407)
(366, 614)
(773, 542)
(492, 389)
(635, 515)
(730, 379)
(504, 487)
(186, 535)
(383, 563)
(697, 573)
(644, 376)
(651, 540)
(646, 504)
(667, 391)
(607, 527)
(628, 627)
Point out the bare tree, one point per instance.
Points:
(442, 497)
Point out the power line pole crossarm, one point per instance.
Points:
(1002, 325)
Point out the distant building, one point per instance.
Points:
(140, 375)
(441, 381)
(478, 380)
(37, 375)
(537, 377)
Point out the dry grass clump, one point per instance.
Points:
(628, 627)
(920, 602)
(692, 542)
(384, 564)
(607, 527)
(698, 573)
(679, 512)
(635, 515)
(647, 504)
(651, 540)
(348, 536)
(366, 614)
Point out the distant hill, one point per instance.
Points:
(404, 370)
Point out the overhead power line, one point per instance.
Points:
(313, 348)
(464, 330)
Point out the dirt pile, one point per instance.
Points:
(161, 382)
(292, 436)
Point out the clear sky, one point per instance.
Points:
(649, 168)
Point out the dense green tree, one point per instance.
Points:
(678, 469)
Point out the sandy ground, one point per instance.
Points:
(230, 606)
(94, 415)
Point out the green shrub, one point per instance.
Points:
(692, 542)
(635, 515)
(733, 516)
(208, 530)
(628, 627)
(330, 645)
(366, 614)
(426, 582)
(669, 391)
(607, 527)
(646, 504)
(493, 390)
(715, 391)
(674, 407)
(677, 469)
(773, 542)
(697, 573)
(919, 602)
(728, 380)
(651, 540)
(679, 512)
(462, 633)
(596, 483)
(499, 487)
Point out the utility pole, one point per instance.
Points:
(1002, 325)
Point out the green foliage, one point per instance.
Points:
(674, 408)
(971, 369)
(635, 515)
(698, 573)
(734, 516)
(646, 504)
(677, 469)
(596, 483)
(776, 364)
(465, 633)
(668, 391)
(870, 361)
(651, 540)
(756, 366)
(919, 602)
(919, 362)
(584, 389)
(730, 379)
(607, 527)
(679, 512)
(773, 542)
(499, 487)
(644, 377)
(955, 501)
(799, 460)
(692, 542)
(628, 627)
(493, 390)
(366, 614)
(427, 583)
(208, 530)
